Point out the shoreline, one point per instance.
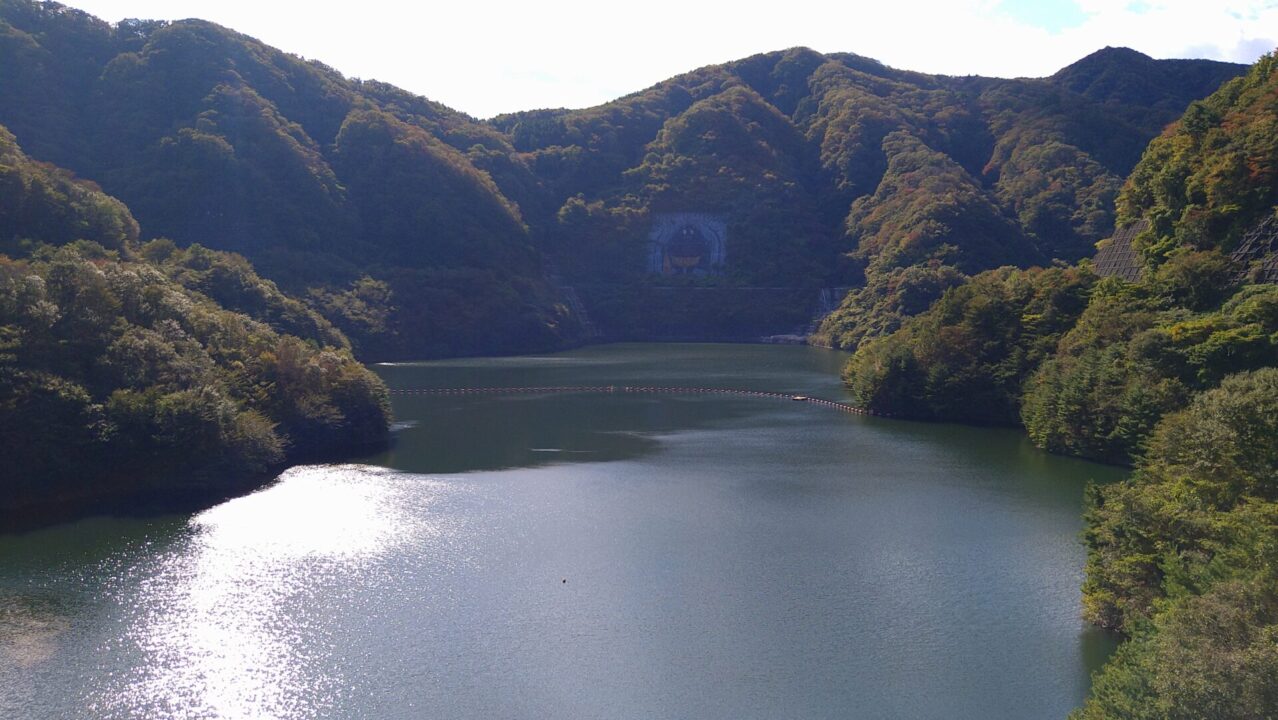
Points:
(155, 501)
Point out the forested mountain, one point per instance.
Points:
(889, 170)
(418, 231)
(1182, 556)
(136, 372)
(1173, 372)
(1119, 355)
(361, 192)
(421, 231)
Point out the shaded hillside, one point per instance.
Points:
(1125, 78)
(421, 231)
(135, 373)
(897, 169)
(212, 137)
(845, 107)
(43, 203)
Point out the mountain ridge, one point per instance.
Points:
(212, 137)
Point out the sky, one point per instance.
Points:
(486, 57)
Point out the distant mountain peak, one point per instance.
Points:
(1121, 74)
(1111, 51)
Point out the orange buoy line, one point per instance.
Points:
(633, 389)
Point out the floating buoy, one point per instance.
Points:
(633, 389)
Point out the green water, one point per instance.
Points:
(584, 556)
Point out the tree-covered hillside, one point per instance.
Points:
(893, 169)
(46, 202)
(1213, 175)
(1182, 555)
(1174, 373)
(421, 231)
(326, 184)
(150, 371)
(1133, 351)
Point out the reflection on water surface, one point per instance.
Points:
(724, 558)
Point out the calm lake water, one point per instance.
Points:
(584, 556)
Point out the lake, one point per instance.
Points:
(584, 555)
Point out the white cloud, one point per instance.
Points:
(491, 56)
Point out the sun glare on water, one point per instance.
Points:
(224, 624)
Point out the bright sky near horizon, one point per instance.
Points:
(491, 56)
